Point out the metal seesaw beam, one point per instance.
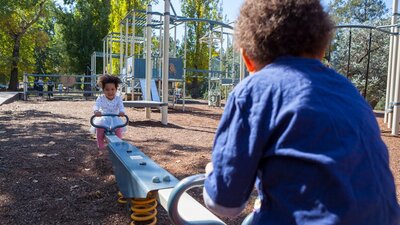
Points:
(137, 175)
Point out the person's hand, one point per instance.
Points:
(121, 114)
(209, 168)
(97, 113)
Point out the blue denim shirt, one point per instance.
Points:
(310, 143)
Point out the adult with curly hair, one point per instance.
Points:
(297, 130)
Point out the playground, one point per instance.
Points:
(55, 176)
(175, 71)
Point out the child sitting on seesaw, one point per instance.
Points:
(108, 103)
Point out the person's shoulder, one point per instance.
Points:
(257, 83)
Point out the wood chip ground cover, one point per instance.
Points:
(50, 171)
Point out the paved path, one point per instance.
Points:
(8, 97)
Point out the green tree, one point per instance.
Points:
(119, 9)
(16, 19)
(357, 11)
(83, 24)
(197, 52)
(368, 12)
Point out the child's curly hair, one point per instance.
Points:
(106, 79)
(270, 29)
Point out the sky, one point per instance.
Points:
(231, 7)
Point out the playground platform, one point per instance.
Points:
(8, 97)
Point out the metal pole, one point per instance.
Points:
(184, 68)
(385, 119)
(111, 53)
(227, 65)
(220, 50)
(396, 90)
(348, 57)
(133, 34)
(175, 41)
(148, 60)
(220, 68)
(104, 56)
(121, 49)
(173, 85)
(233, 62)
(226, 57)
(164, 114)
(160, 57)
(396, 108)
(396, 100)
(391, 63)
(368, 62)
(126, 42)
(133, 45)
(394, 73)
(95, 64)
(209, 65)
(123, 37)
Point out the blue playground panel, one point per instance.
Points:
(175, 69)
(140, 69)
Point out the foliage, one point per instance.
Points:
(361, 12)
(197, 52)
(18, 26)
(357, 11)
(119, 8)
(83, 24)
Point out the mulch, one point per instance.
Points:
(51, 172)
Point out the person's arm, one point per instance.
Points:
(238, 147)
(97, 106)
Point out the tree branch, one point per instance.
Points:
(10, 31)
(366, 54)
(35, 18)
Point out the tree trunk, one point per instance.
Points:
(13, 86)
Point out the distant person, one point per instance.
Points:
(108, 103)
(60, 88)
(50, 88)
(35, 84)
(40, 86)
(297, 130)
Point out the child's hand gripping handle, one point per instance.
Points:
(109, 129)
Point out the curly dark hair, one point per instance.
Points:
(106, 79)
(267, 29)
